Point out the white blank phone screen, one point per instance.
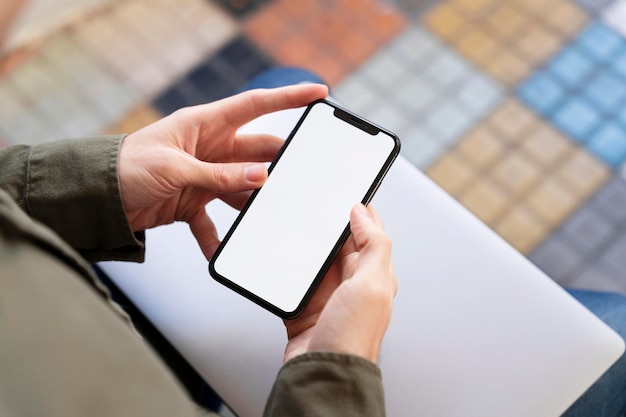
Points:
(290, 229)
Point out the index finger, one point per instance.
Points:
(245, 107)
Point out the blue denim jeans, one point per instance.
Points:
(607, 397)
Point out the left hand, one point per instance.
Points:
(171, 169)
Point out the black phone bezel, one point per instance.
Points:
(348, 117)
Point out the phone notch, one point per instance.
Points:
(356, 122)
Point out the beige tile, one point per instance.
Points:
(583, 173)
(477, 45)
(512, 120)
(506, 21)
(537, 7)
(516, 173)
(480, 147)
(537, 44)
(451, 173)
(445, 21)
(521, 229)
(552, 201)
(135, 120)
(485, 200)
(566, 18)
(546, 146)
(507, 67)
(475, 8)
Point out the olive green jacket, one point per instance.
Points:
(65, 349)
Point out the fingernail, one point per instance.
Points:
(364, 212)
(255, 172)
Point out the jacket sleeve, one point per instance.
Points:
(327, 384)
(72, 187)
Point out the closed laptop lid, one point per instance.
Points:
(477, 329)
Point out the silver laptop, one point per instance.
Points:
(477, 329)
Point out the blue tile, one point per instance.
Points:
(622, 117)
(609, 144)
(241, 8)
(607, 90)
(577, 119)
(610, 201)
(593, 6)
(541, 92)
(600, 41)
(619, 65)
(571, 67)
(586, 230)
(219, 76)
(204, 77)
(556, 259)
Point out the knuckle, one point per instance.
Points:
(221, 175)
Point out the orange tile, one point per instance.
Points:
(485, 200)
(480, 147)
(445, 21)
(521, 229)
(301, 9)
(356, 46)
(329, 68)
(512, 121)
(546, 146)
(475, 8)
(385, 23)
(507, 67)
(297, 50)
(451, 173)
(327, 28)
(267, 26)
(515, 173)
(537, 44)
(506, 21)
(477, 45)
(552, 201)
(358, 9)
(566, 18)
(583, 173)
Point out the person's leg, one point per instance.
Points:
(282, 76)
(607, 397)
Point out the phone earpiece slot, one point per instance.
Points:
(356, 122)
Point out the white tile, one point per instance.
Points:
(386, 116)
(419, 147)
(413, 95)
(413, 45)
(615, 16)
(448, 121)
(355, 92)
(478, 95)
(445, 69)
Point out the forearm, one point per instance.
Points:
(327, 384)
(72, 187)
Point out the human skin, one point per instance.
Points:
(171, 169)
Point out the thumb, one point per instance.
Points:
(372, 243)
(226, 178)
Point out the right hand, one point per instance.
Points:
(351, 309)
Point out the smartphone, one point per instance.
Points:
(284, 240)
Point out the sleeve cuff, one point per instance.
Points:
(327, 384)
(72, 186)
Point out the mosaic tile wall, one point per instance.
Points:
(517, 108)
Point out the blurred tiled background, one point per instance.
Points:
(516, 107)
